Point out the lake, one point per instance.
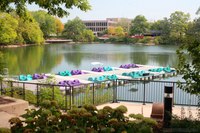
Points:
(53, 58)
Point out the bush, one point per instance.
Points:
(5, 130)
(87, 119)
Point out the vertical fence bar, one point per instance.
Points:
(114, 93)
(144, 92)
(37, 91)
(24, 97)
(173, 93)
(1, 87)
(93, 94)
(53, 92)
(72, 96)
(66, 107)
(11, 87)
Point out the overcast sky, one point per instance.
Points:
(151, 9)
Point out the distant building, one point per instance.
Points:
(99, 26)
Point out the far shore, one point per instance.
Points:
(25, 45)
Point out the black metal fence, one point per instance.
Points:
(96, 93)
(153, 91)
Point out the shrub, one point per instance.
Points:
(87, 119)
(5, 130)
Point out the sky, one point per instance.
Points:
(152, 9)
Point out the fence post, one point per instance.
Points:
(114, 92)
(173, 94)
(11, 86)
(24, 97)
(1, 87)
(93, 93)
(53, 92)
(37, 95)
(66, 98)
(72, 89)
(144, 93)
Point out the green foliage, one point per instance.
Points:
(144, 40)
(76, 30)
(46, 22)
(49, 118)
(46, 93)
(189, 56)
(17, 92)
(5, 130)
(2, 64)
(178, 26)
(139, 25)
(186, 124)
(29, 31)
(8, 26)
(18, 30)
(56, 7)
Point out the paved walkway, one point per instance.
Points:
(138, 108)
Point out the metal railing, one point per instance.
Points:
(96, 93)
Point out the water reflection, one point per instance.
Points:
(57, 57)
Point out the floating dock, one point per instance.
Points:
(86, 74)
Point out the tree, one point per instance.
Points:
(178, 26)
(119, 31)
(189, 59)
(59, 26)
(55, 7)
(46, 22)
(29, 31)
(125, 24)
(111, 30)
(8, 26)
(88, 36)
(75, 29)
(139, 25)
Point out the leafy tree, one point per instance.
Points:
(178, 26)
(46, 22)
(119, 31)
(29, 31)
(111, 30)
(88, 36)
(139, 25)
(8, 26)
(59, 26)
(55, 7)
(75, 29)
(189, 56)
(125, 24)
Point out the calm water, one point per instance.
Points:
(59, 57)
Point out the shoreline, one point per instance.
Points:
(26, 45)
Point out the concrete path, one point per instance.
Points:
(138, 108)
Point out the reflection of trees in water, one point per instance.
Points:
(72, 57)
(154, 59)
(29, 60)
